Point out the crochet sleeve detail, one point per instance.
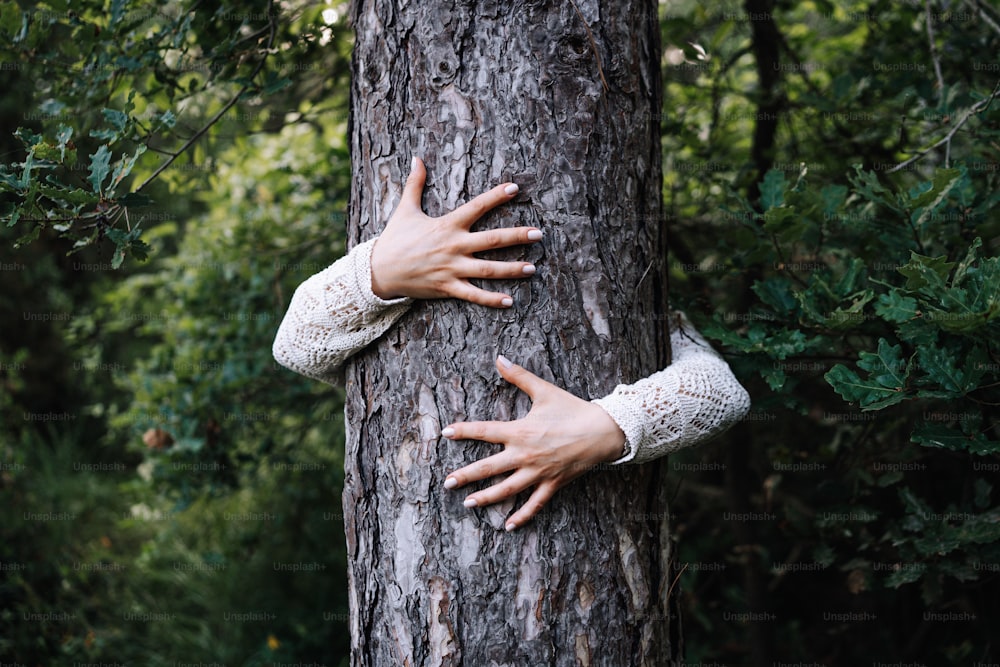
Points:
(332, 315)
(689, 402)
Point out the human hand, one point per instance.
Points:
(560, 438)
(432, 258)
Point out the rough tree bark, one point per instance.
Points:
(563, 98)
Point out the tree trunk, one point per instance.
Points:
(564, 99)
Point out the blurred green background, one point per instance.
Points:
(170, 495)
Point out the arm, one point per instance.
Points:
(562, 436)
(689, 402)
(332, 315)
(346, 306)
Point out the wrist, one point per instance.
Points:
(612, 439)
(381, 285)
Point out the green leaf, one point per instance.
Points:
(100, 165)
(922, 271)
(27, 137)
(63, 135)
(853, 315)
(774, 376)
(940, 365)
(937, 190)
(118, 8)
(895, 307)
(867, 185)
(905, 575)
(981, 528)
(970, 258)
(867, 394)
(124, 167)
(772, 189)
(165, 120)
(886, 365)
(884, 386)
(29, 163)
(782, 220)
(847, 284)
(834, 197)
(776, 291)
(273, 83)
(15, 215)
(945, 437)
(77, 196)
(11, 20)
(118, 120)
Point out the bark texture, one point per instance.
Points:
(562, 98)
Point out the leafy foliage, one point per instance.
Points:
(858, 301)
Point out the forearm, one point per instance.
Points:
(333, 315)
(690, 402)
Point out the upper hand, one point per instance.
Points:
(560, 438)
(432, 258)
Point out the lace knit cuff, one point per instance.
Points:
(629, 420)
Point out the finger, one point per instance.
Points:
(523, 379)
(492, 239)
(532, 507)
(469, 212)
(413, 191)
(495, 432)
(482, 469)
(513, 485)
(486, 268)
(463, 289)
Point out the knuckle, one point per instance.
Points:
(485, 270)
(485, 469)
(476, 208)
(505, 490)
(492, 238)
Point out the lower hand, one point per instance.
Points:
(560, 438)
(432, 258)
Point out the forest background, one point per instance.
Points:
(173, 170)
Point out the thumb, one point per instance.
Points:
(523, 379)
(413, 191)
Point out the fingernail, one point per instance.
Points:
(529, 269)
(507, 301)
(510, 526)
(534, 235)
(470, 502)
(504, 361)
(511, 189)
(448, 432)
(450, 483)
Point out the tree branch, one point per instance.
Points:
(225, 109)
(981, 13)
(979, 106)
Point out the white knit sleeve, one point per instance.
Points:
(690, 401)
(332, 315)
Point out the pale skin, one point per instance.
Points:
(562, 436)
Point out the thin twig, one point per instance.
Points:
(593, 45)
(222, 112)
(983, 15)
(981, 105)
(676, 579)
